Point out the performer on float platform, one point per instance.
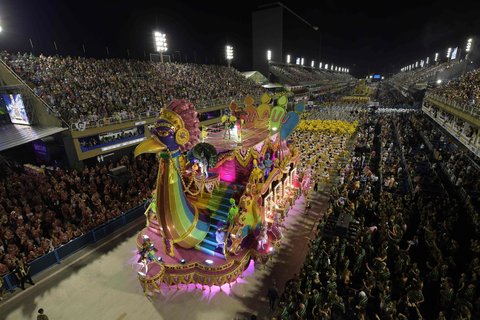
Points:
(228, 121)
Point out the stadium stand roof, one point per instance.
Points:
(15, 135)
(256, 76)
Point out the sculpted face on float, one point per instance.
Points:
(165, 132)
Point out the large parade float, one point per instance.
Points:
(222, 193)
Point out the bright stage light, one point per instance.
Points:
(182, 261)
(320, 65)
(302, 61)
(449, 50)
(208, 261)
(288, 58)
(297, 61)
(159, 259)
(269, 55)
(326, 66)
(439, 81)
(312, 64)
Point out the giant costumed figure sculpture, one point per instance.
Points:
(177, 218)
(196, 228)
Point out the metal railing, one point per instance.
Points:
(82, 125)
(464, 140)
(471, 109)
(88, 124)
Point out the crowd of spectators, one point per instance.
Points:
(427, 73)
(394, 99)
(296, 75)
(335, 111)
(464, 90)
(39, 212)
(416, 255)
(461, 169)
(87, 89)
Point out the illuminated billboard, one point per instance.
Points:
(454, 54)
(16, 108)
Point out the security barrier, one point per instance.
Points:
(60, 253)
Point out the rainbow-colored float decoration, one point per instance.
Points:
(218, 203)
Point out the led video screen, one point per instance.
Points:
(376, 76)
(16, 108)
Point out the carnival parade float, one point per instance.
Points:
(221, 202)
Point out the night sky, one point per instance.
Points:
(363, 36)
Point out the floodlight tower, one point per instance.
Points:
(160, 43)
(229, 54)
(468, 48)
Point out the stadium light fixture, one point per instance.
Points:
(448, 52)
(320, 65)
(269, 55)
(229, 54)
(302, 61)
(467, 49)
(160, 43)
(288, 58)
(312, 64)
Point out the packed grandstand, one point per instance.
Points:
(407, 178)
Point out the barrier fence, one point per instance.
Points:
(60, 253)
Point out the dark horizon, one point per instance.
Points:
(367, 38)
